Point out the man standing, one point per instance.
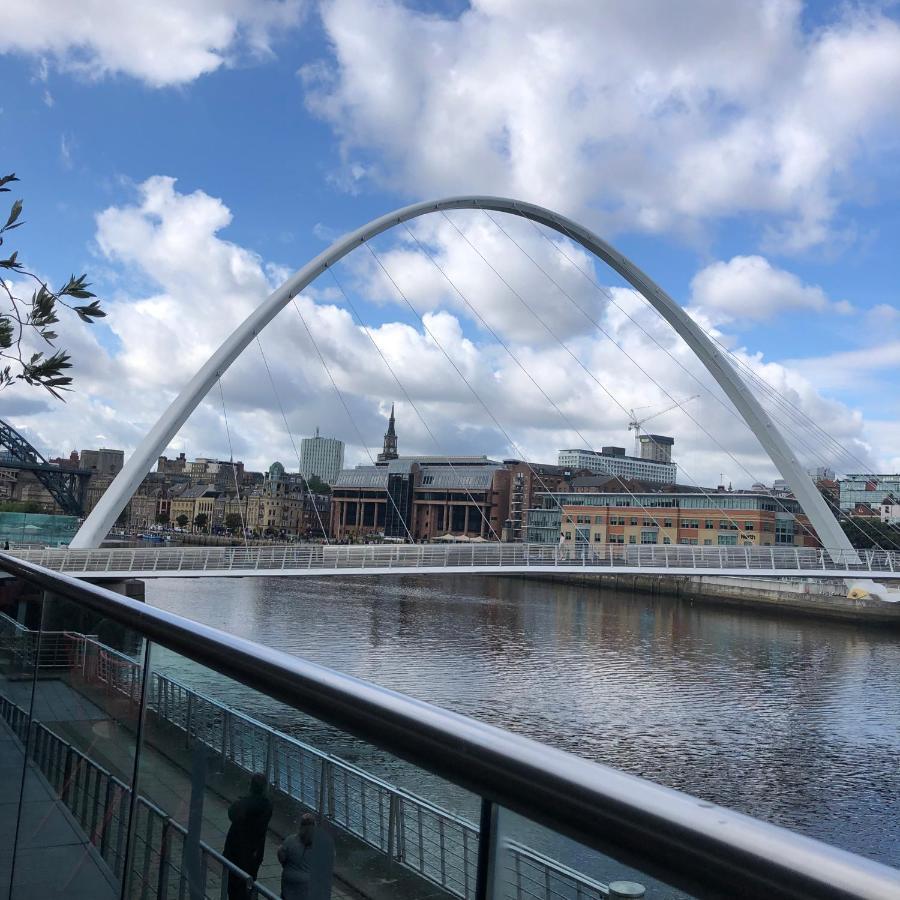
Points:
(245, 843)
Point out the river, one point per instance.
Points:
(795, 721)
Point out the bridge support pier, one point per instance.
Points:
(134, 588)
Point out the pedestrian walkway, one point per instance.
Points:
(163, 782)
(53, 856)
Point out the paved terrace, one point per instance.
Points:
(297, 560)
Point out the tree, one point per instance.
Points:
(315, 485)
(182, 520)
(26, 325)
(200, 520)
(232, 521)
(162, 518)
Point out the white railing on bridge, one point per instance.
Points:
(362, 558)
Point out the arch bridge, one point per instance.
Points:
(98, 523)
(66, 486)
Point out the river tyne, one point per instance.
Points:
(796, 721)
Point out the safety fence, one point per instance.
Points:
(309, 558)
(408, 830)
(100, 803)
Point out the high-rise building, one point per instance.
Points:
(390, 441)
(656, 447)
(322, 457)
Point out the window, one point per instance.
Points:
(688, 541)
(727, 540)
(706, 542)
(649, 536)
(633, 520)
(709, 523)
(748, 526)
(632, 539)
(667, 523)
(598, 520)
(690, 523)
(648, 522)
(667, 540)
(568, 535)
(598, 537)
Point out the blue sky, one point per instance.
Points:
(746, 160)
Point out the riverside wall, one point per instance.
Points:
(798, 597)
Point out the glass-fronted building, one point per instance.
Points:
(613, 461)
(712, 519)
(868, 489)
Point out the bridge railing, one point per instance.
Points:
(331, 557)
(676, 840)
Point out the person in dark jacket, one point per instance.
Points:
(245, 843)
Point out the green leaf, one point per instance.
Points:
(14, 214)
(11, 262)
(6, 179)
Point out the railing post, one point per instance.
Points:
(394, 849)
(187, 719)
(226, 722)
(484, 874)
(165, 851)
(270, 760)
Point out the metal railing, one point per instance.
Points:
(100, 803)
(300, 559)
(433, 842)
(703, 849)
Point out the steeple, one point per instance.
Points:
(390, 441)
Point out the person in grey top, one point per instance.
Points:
(296, 857)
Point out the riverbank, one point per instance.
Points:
(804, 597)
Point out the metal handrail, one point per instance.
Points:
(700, 847)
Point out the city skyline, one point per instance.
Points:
(782, 247)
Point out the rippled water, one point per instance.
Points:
(792, 720)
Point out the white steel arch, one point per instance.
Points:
(111, 504)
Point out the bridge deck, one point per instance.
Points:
(379, 559)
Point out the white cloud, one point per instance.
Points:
(639, 115)
(166, 42)
(184, 288)
(750, 289)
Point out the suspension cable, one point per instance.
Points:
(407, 396)
(237, 488)
(609, 296)
(293, 444)
(343, 402)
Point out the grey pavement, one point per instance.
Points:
(53, 856)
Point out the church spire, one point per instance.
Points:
(390, 440)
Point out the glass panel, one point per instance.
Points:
(531, 862)
(235, 785)
(20, 616)
(82, 743)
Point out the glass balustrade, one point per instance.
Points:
(145, 756)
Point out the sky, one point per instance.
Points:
(189, 156)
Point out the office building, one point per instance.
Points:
(613, 461)
(869, 490)
(322, 457)
(656, 447)
(103, 461)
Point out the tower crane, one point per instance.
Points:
(636, 424)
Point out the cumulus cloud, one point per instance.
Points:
(184, 287)
(627, 114)
(751, 289)
(166, 42)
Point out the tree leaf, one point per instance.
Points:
(14, 214)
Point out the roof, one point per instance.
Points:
(194, 491)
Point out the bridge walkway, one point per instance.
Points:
(165, 780)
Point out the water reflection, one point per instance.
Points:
(791, 720)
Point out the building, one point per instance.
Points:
(721, 518)
(890, 510)
(527, 480)
(869, 490)
(103, 461)
(166, 466)
(656, 447)
(613, 461)
(389, 451)
(323, 457)
(422, 497)
(193, 500)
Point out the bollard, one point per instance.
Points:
(625, 890)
